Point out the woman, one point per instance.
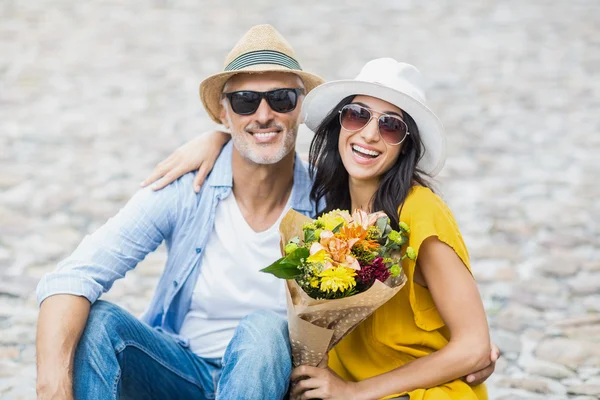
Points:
(373, 151)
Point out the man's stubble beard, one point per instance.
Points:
(244, 146)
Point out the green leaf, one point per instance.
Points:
(392, 246)
(297, 256)
(288, 267)
(337, 228)
(309, 236)
(381, 224)
(282, 270)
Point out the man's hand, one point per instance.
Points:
(477, 378)
(55, 390)
(60, 324)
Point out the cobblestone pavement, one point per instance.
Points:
(93, 93)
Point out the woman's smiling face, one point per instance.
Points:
(364, 153)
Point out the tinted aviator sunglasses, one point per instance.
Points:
(392, 129)
(246, 102)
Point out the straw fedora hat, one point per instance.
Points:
(261, 49)
(397, 83)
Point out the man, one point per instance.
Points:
(203, 334)
(217, 243)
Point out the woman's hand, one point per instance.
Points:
(320, 383)
(478, 377)
(198, 154)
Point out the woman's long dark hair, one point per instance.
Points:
(331, 178)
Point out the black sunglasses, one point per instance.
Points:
(246, 102)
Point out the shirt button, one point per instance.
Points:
(198, 250)
(175, 283)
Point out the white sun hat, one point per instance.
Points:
(397, 83)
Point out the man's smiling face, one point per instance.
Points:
(266, 136)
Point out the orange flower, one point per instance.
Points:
(357, 227)
(338, 250)
(353, 231)
(369, 245)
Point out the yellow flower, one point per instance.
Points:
(318, 257)
(314, 282)
(331, 220)
(309, 226)
(338, 278)
(318, 234)
(373, 233)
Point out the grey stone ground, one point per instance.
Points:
(94, 93)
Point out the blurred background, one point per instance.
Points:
(94, 93)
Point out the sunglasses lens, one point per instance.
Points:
(282, 100)
(354, 117)
(392, 129)
(244, 103)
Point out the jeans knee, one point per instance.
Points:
(269, 330)
(96, 363)
(102, 324)
(268, 322)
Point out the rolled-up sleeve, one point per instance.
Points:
(115, 248)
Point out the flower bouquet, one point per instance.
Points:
(339, 268)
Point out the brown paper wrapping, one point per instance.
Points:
(316, 326)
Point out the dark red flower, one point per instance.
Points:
(369, 272)
(381, 272)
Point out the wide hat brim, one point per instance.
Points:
(319, 103)
(211, 88)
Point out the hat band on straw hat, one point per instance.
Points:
(262, 49)
(263, 57)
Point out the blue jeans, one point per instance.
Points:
(120, 357)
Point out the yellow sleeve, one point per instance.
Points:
(427, 215)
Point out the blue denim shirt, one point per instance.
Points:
(176, 214)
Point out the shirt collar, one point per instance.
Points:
(302, 186)
(222, 175)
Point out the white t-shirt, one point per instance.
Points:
(230, 285)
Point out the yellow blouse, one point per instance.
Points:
(408, 326)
